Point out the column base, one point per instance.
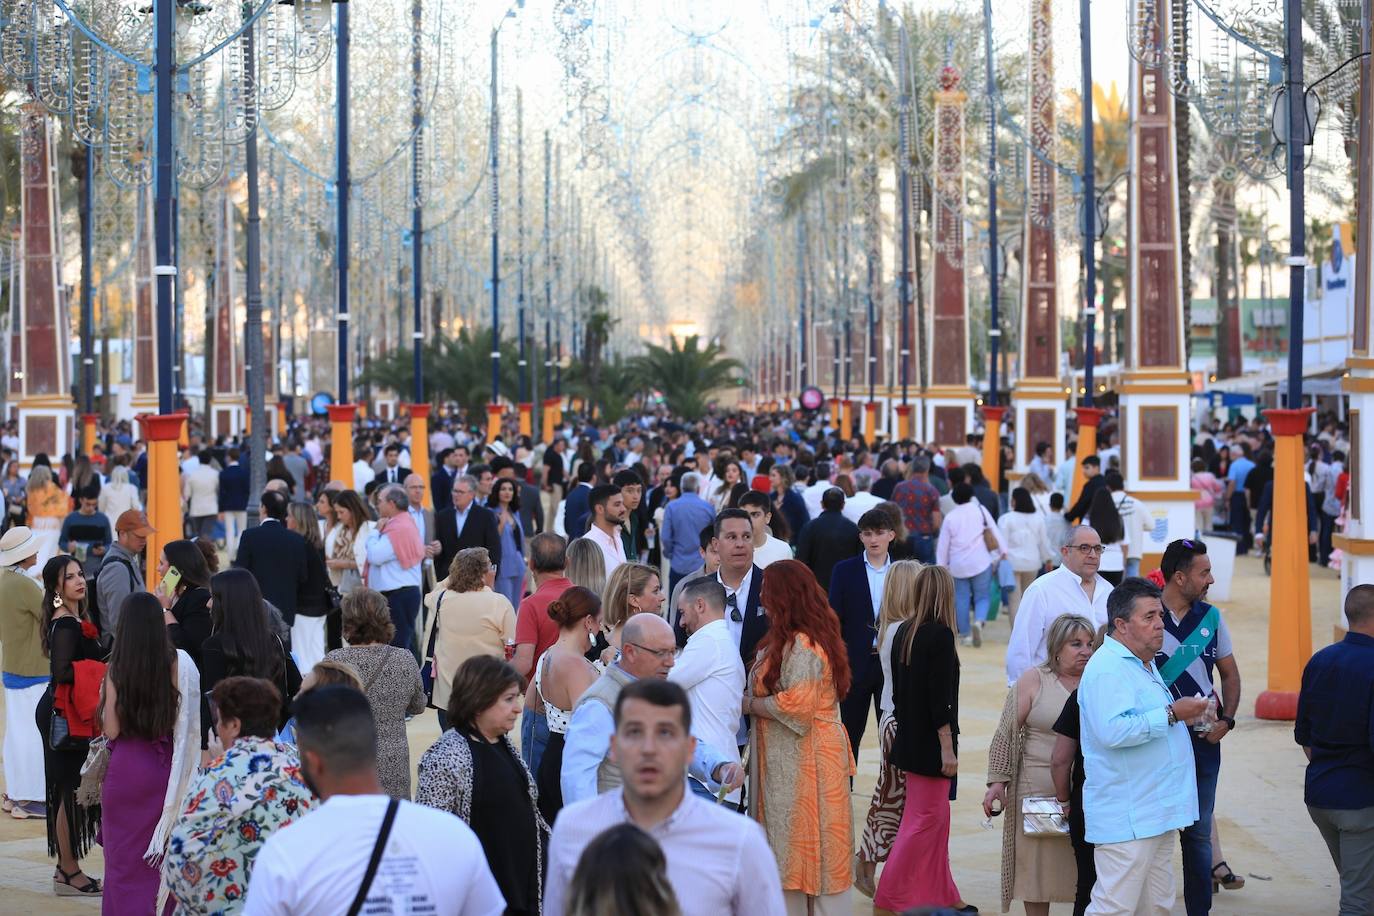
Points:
(1277, 706)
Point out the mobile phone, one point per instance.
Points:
(171, 580)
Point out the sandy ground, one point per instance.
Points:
(1265, 830)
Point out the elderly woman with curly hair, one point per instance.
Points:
(391, 681)
(475, 772)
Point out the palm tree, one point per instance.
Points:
(456, 369)
(617, 383)
(687, 373)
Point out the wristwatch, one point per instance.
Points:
(1229, 720)
(1173, 718)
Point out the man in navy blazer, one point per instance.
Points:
(577, 508)
(856, 593)
(743, 581)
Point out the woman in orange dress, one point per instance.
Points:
(48, 506)
(800, 763)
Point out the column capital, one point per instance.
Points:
(417, 411)
(993, 414)
(162, 427)
(342, 413)
(1089, 416)
(90, 418)
(903, 410)
(1286, 422)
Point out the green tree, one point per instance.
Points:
(456, 369)
(609, 393)
(687, 373)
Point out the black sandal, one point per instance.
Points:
(65, 888)
(1227, 879)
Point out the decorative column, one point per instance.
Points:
(494, 412)
(281, 418)
(227, 404)
(43, 364)
(1089, 418)
(145, 370)
(1290, 607)
(903, 422)
(949, 400)
(847, 419)
(164, 487)
(341, 443)
(1156, 391)
(992, 443)
(527, 418)
(88, 422)
(870, 421)
(835, 413)
(549, 416)
(419, 446)
(1038, 395)
(1357, 541)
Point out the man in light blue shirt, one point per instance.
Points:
(647, 650)
(387, 572)
(1238, 499)
(1141, 786)
(683, 520)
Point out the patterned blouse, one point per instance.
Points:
(231, 809)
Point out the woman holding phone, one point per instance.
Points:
(184, 591)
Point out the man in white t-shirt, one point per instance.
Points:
(767, 549)
(432, 864)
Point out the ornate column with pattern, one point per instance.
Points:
(1155, 390)
(948, 401)
(1038, 395)
(227, 403)
(42, 362)
(144, 400)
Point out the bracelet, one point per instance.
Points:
(1173, 717)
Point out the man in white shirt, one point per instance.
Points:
(767, 549)
(608, 512)
(862, 500)
(432, 863)
(1073, 588)
(710, 670)
(812, 495)
(200, 492)
(719, 862)
(363, 472)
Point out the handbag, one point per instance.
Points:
(60, 737)
(88, 794)
(1043, 816)
(989, 536)
(427, 674)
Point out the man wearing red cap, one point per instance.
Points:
(121, 571)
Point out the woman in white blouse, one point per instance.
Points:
(119, 495)
(1028, 544)
(345, 546)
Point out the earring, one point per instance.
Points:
(56, 601)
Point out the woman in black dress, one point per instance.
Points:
(475, 772)
(187, 606)
(68, 637)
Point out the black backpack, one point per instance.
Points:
(93, 592)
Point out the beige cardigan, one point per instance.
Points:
(468, 624)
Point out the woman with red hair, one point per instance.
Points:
(801, 763)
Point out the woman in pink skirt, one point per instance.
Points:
(925, 698)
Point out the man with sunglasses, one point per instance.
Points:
(647, 650)
(1073, 588)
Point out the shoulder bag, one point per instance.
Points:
(378, 850)
(989, 536)
(427, 672)
(60, 737)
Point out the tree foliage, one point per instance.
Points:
(687, 373)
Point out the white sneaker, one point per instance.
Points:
(966, 641)
(977, 634)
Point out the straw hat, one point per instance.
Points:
(17, 545)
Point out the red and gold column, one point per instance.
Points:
(847, 420)
(870, 422)
(549, 415)
(40, 383)
(903, 422)
(948, 401)
(527, 418)
(992, 444)
(88, 424)
(419, 446)
(164, 486)
(341, 456)
(1290, 601)
(494, 414)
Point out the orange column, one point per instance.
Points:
(88, 421)
(847, 419)
(184, 436)
(548, 413)
(1290, 599)
(870, 422)
(527, 418)
(341, 443)
(992, 444)
(835, 412)
(494, 412)
(164, 486)
(903, 422)
(1088, 419)
(281, 419)
(419, 447)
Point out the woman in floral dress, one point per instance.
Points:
(254, 789)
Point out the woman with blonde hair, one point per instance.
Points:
(885, 809)
(925, 703)
(465, 617)
(48, 506)
(345, 546)
(622, 873)
(1039, 492)
(1037, 870)
(586, 565)
(632, 589)
(119, 495)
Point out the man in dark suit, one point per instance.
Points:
(828, 538)
(233, 500)
(577, 508)
(856, 592)
(441, 481)
(531, 505)
(275, 555)
(743, 581)
(465, 524)
(392, 471)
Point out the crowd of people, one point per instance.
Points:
(691, 626)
